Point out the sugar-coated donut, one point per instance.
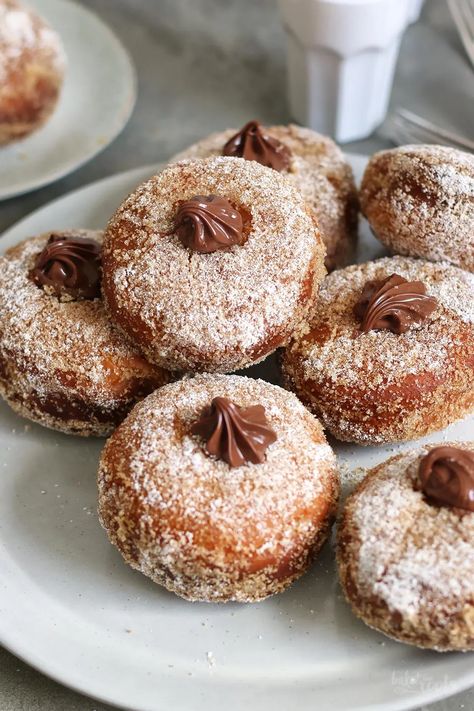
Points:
(212, 264)
(62, 363)
(370, 385)
(32, 64)
(419, 201)
(204, 529)
(406, 562)
(317, 168)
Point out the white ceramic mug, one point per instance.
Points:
(416, 7)
(341, 61)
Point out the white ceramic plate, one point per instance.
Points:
(71, 607)
(96, 101)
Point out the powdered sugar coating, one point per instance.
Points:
(201, 528)
(379, 386)
(407, 566)
(31, 70)
(320, 172)
(419, 201)
(219, 311)
(56, 355)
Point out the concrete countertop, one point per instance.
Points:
(205, 65)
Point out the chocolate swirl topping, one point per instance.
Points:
(208, 223)
(237, 435)
(69, 266)
(252, 143)
(447, 477)
(393, 304)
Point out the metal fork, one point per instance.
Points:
(404, 126)
(463, 15)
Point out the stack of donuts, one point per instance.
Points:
(221, 486)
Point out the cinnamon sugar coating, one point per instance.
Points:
(419, 201)
(320, 172)
(224, 310)
(62, 364)
(407, 566)
(378, 387)
(205, 530)
(32, 64)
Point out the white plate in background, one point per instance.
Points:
(97, 99)
(72, 608)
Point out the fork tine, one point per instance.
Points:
(467, 24)
(420, 135)
(467, 10)
(436, 131)
(401, 133)
(459, 19)
(456, 8)
(400, 129)
(415, 134)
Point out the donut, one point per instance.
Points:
(62, 364)
(211, 265)
(388, 354)
(419, 201)
(219, 488)
(313, 163)
(405, 547)
(32, 65)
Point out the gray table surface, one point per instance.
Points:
(204, 65)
